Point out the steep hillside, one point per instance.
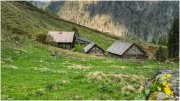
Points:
(29, 72)
(140, 20)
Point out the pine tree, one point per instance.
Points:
(160, 40)
(153, 41)
(164, 41)
(161, 54)
(173, 39)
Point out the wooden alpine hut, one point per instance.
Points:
(126, 50)
(65, 40)
(94, 50)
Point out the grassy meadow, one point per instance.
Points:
(29, 72)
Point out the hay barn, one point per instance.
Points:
(126, 50)
(94, 50)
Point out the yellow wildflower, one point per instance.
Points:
(167, 91)
(163, 78)
(168, 76)
(167, 85)
(172, 93)
(159, 88)
(164, 83)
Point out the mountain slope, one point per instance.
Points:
(140, 20)
(29, 72)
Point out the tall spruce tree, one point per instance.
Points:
(153, 41)
(161, 54)
(173, 39)
(160, 41)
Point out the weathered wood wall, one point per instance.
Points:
(67, 45)
(96, 51)
(115, 56)
(134, 52)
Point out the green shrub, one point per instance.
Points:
(51, 87)
(29, 36)
(41, 38)
(17, 38)
(78, 48)
(174, 59)
(39, 92)
(105, 89)
(50, 41)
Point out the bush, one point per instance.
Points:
(161, 54)
(17, 38)
(78, 48)
(50, 41)
(41, 38)
(29, 36)
(51, 87)
(39, 92)
(174, 59)
(76, 31)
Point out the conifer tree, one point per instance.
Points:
(161, 54)
(173, 39)
(153, 41)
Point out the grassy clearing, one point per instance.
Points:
(38, 75)
(29, 72)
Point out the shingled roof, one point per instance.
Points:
(119, 47)
(59, 36)
(89, 46)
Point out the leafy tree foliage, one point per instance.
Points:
(173, 39)
(50, 41)
(76, 31)
(46, 39)
(41, 38)
(161, 54)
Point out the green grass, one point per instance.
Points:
(71, 78)
(29, 72)
(78, 48)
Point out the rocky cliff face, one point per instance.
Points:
(139, 20)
